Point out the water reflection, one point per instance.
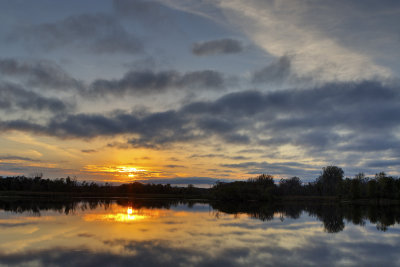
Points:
(333, 216)
(122, 232)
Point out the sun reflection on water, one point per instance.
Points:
(123, 215)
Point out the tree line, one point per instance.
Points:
(71, 185)
(331, 183)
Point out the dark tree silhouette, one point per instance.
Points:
(330, 180)
(291, 186)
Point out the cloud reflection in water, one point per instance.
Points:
(146, 233)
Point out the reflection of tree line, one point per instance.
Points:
(333, 216)
(69, 205)
(38, 205)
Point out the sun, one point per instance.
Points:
(129, 211)
(131, 172)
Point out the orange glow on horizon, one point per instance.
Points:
(120, 170)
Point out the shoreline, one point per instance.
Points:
(200, 198)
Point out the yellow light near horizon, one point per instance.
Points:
(116, 170)
(126, 169)
(129, 211)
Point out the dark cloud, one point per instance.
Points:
(39, 73)
(88, 150)
(278, 71)
(218, 156)
(97, 33)
(383, 163)
(174, 166)
(239, 158)
(7, 158)
(87, 235)
(22, 125)
(13, 96)
(221, 46)
(207, 156)
(149, 82)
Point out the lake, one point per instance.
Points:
(128, 232)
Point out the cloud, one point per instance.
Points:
(221, 46)
(282, 168)
(334, 119)
(13, 96)
(145, 253)
(17, 158)
(304, 30)
(96, 33)
(149, 82)
(30, 168)
(145, 10)
(236, 111)
(174, 166)
(316, 251)
(218, 156)
(88, 151)
(39, 73)
(383, 163)
(278, 71)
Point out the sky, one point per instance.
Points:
(195, 91)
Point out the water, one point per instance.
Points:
(172, 233)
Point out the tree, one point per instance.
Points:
(265, 180)
(386, 185)
(331, 180)
(291, 186)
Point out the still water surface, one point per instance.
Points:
(172, 233)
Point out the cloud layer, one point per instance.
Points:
(340, 118)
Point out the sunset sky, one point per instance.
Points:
(190, 91)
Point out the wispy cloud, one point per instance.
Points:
(221, 46)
